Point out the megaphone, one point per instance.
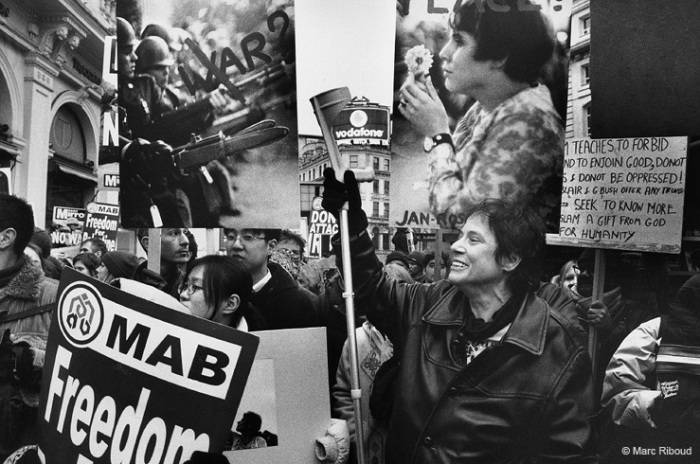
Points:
(327, 105)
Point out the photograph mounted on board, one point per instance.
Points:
(208, 108)
(345, 63)
(255, 425)
(480, 99)
(286, 396)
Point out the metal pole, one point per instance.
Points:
(438, 255)
(154, 250)
(349, 297)
(326, 106)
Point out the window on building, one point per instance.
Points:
(386, 165)
(386, 187)
(308, 192)
(66, 136)
(375, 186)
(376, 164)
(585, 25)
(375, 208)
(587, 118)
(386, 241)
(353, 161)
(375, 237)
(386, 211)
(586, 74)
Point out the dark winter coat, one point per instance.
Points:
(28, 289)
(527, 399)
(283, 303)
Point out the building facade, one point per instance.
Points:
(51, 62)
(579, 98)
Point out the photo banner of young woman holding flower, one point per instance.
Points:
(477, 117)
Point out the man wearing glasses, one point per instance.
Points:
(283, 304)
(289, 252)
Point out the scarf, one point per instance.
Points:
(6, 275)
(476, 329)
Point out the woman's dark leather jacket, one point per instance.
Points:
(528, 399)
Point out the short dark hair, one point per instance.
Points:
(222, 277)
(17, 214)
(518, 231)
(514, 30)
(288, 234)
(90, 260)
(254, 419)
(97, 245)
(269, 234)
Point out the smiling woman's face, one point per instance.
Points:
(474, 256)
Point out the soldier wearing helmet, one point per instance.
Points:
(126, 43)
(138, 94)
(157, 30)
(155, 59)
(139, 102)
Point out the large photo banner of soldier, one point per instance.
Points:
(513, 149)
(115, 365)
(208, 98)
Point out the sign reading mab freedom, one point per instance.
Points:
(624, 193)
(129, 381)
(102, 222)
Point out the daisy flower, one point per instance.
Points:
(419, 59)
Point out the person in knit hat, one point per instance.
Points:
(43, 240)
(416, 266)
(116, 264)
(398, 257)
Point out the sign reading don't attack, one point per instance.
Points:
(624, 193)
(129, 381)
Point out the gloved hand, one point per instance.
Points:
(334, 446)
(599, 316)
(336, 194)
(149, 162)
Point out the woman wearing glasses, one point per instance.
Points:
(510, 143)
(218, 288)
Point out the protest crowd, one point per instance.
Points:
(431, 368)
(480, 348)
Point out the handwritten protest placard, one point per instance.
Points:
(624, 193)
(127, 380)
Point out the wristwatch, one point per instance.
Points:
(431, 142)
